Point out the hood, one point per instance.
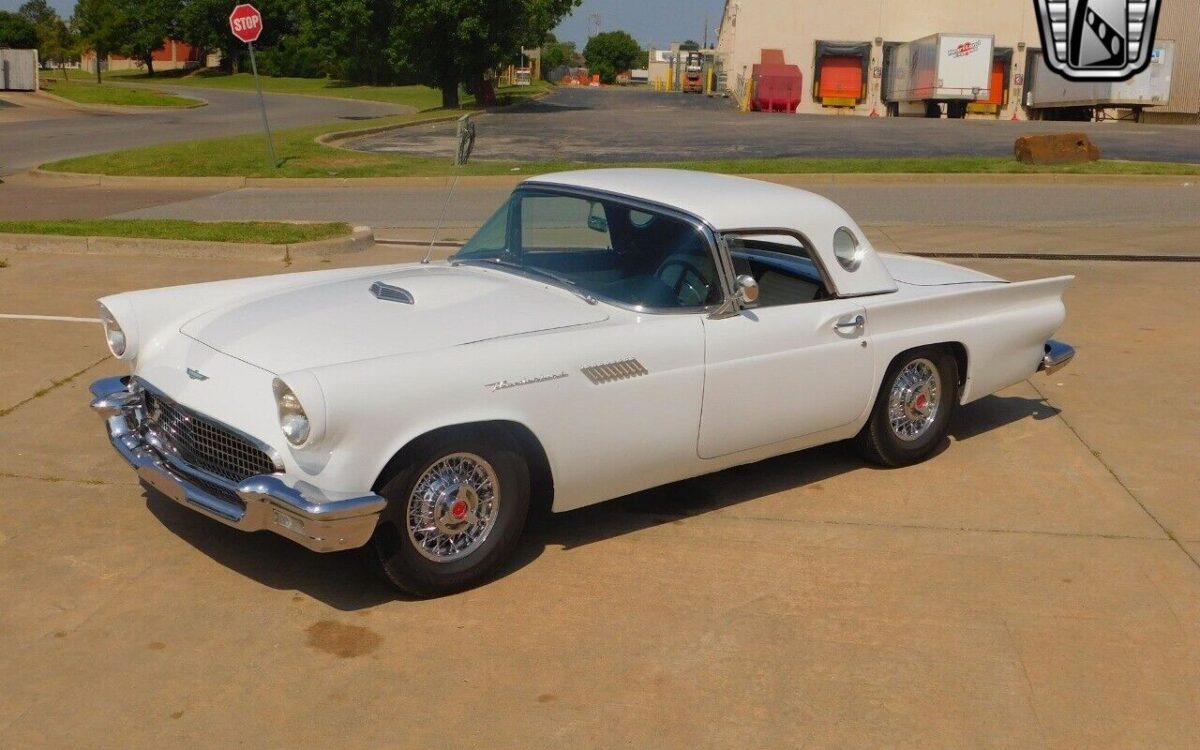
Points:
(914, 271)
(343, 320)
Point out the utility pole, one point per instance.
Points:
(706, 32)
(594, 21)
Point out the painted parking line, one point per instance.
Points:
(59, 318)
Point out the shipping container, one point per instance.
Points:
(1045, 89)
(18, 70)
(951, 69)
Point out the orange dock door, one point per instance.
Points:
(841, 78)
(997, 97)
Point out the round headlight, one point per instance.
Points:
(846, 249)
(117, 343)
(292, 419)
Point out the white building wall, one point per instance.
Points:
(795, 25)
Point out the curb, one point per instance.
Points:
(42, 244)
(77, 179)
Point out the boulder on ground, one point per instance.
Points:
(1057, 148)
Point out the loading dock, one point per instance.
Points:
(840, 73)
(998, 99)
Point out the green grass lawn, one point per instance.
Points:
(418, 97)
(263, 232)
(86, 92)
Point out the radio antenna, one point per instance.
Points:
(466, 143)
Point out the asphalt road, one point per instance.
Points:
(609, 125)
(36, 129)
(914, 202)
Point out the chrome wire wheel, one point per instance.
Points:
(914, 400)
(453, 507)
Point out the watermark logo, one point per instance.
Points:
(1097, 40)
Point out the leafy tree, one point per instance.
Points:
(611, 52)
(556, 54)
(37, 12)
(691, 45)
(351, 37)
(100, 27)
(144, 28)
(17, 32)
(450, 42)
(205, 24)
(59, 45)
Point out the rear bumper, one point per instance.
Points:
(309, 516)
(1057, 356)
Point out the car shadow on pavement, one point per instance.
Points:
(740, 484)
(337, 579)
(341, 581)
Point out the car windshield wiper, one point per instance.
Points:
(567, 283)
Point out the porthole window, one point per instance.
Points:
(846, 249)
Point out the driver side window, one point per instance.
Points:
(783, 268)
(638, 257)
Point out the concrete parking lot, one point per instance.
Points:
(616, 125)
(1034, 585)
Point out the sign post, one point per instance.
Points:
(246, 24)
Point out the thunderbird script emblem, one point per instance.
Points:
(196, 374)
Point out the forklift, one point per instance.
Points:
(693, 73)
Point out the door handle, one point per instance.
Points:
(850, 325)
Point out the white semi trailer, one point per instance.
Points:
(941, 69)
(1049, 96)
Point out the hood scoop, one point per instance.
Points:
(391, 293)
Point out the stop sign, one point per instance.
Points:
(246, 23)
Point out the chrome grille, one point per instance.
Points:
(201, 443)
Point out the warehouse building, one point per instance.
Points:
(842, 49)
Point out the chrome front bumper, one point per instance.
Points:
(1058, 355)
(318, 520)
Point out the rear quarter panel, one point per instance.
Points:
(1002, 326)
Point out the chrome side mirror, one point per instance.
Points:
(746, 289)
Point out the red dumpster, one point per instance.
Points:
(777, 87)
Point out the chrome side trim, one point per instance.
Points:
(614, 371)
(320, 520)
(391, 293)
(1058, 355)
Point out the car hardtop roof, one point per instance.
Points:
(730, 203)
(724, 201)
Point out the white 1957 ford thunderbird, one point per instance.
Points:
(606, 331)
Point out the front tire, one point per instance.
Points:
(455, 512)
(912, 412)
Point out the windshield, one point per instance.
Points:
(603, 248)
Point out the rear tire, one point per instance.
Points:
(455, 512)
(917, 399)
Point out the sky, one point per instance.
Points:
(654, 23)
